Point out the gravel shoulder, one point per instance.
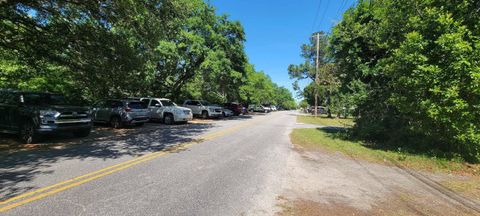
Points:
(320, 182)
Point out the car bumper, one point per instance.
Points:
(212, 114)
(137, 121)
(49, 129)
(183, 118)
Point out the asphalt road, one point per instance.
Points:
(221, 167)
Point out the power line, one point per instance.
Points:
(316, 15)
(324, 13)
(340, 9)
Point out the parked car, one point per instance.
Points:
(162, 109)
(235, 107)
(203, 108)
(320, 110)
(119, 113)
(258, 108)
(228, 113)
(267, 108)
(274, 108)
(33, 114)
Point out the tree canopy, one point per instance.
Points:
(413, 70)
(89, 50)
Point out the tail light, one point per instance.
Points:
(128, 109)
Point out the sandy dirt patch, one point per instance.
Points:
(321, 183)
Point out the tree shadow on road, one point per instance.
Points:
(22, 164)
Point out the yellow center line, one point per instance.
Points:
(111, 169)
(71, 180)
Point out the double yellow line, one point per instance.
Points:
(40, 193)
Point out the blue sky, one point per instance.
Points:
(276, 29)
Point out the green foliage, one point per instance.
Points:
(260, 89)
(92, 50)
(326, 86)
(411, 68)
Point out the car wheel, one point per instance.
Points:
(82, 133)
(28, 134)
(204, 114)
(116, 122)
(168, 119)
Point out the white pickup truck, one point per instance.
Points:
(163, 109)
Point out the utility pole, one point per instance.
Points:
(316, 74)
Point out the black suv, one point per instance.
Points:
(32, 114)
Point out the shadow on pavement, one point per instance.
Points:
(241, 117)
(22, 164)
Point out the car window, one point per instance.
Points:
(168, 103)
(192, 103)
(137, 105)
(114, 104)
(146, 101)
(9, 98)
(154, 103)
(99, 104)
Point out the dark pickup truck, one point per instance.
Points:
(32, 114)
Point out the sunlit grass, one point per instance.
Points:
(323, 120)
(312, 138)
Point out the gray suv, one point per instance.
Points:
(33, 114)
(119, 113)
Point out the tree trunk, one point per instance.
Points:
(329, 111)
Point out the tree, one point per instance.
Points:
(413, 66)
(327, 83)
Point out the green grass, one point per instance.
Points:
(312, 138)
(469, 188)
(325, 121)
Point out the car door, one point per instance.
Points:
(157, 108)
(196, 107)
(100, 111)
(151, 112)
(9, 111)
(188, 104)
(3, 111)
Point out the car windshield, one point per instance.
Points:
(168, 103)
(43, 99)
(205, 103)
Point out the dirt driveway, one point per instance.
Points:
(321, 183)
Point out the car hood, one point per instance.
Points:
(64, 108)
(214, 107)
(182, 108)
(177, 108)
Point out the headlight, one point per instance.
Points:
(49, 113)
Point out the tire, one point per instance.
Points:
(204, 114)
(116, 122)
(28, 134)
(139, 124)
(168, 119)
(82, 133)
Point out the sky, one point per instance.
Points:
(276, 29)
